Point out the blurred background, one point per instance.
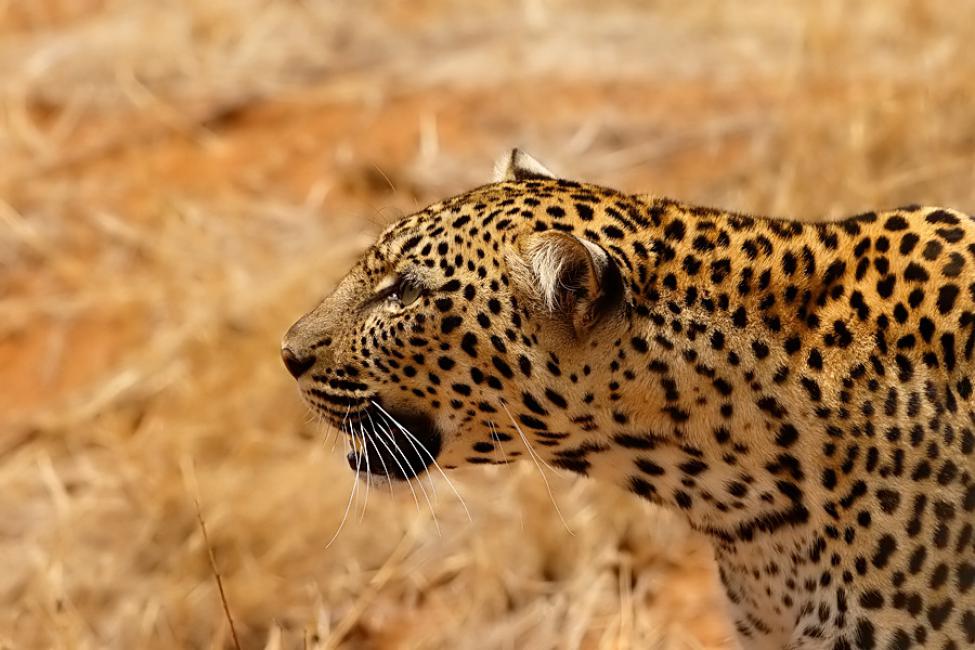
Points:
(181, 179)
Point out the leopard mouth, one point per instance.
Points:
(393, 442)
(386, 440)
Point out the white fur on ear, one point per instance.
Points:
(519, 166)
(562, 268)
(571, 278)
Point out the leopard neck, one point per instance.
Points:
(721, 376)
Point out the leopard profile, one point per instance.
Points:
(802, 392)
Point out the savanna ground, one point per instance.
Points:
(179, 180)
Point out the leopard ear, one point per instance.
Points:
(573, 278)
(519, 166)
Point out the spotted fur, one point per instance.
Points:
(801, 392)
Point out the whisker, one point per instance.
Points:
(392, 441)
(504, 455)
(329, 430)
(432, 459)
(535, 458)
(372, 425)
(365, 454)
(409, 483)
(348, 507)
(358, 458)
(498, 443)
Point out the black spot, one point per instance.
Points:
(693, 467)
(885, 286)
(649, 467)
(532, 422)
(722, 386)
(788, 435)
(812, 388)
(642, 487)
(914, 272)
(908, 242)
(630, 441)
(445, 363)
(556, 398)
(864, 635)
(529, 401)
(886, 546)
(932, 250)
(682, 499)
(502, 367)
(871, 599)
(675, 230)
(760, 349)
(469, 345)
(789, 263)
(896, 222)
(954, 265)
(740, 318)
(771, 406)
(942, 216)
(717, 340)
(968, 625)
(948, 350)
(951, 235)
(584, 211)
(793, 345)
(889, 500)
(815, 359)
(947, 295)
(938, 614)
(899, 641)
(450, 323)
(577, 465)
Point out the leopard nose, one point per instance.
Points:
(295, 364)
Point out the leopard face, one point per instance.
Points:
(446, 340)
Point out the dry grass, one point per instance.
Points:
(180, 179)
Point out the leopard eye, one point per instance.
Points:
(405, 292)
(409, 292)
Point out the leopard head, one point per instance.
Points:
(461, 336)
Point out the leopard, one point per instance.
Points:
(800, 391)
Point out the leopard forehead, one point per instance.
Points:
(802, 392)
(504, 210)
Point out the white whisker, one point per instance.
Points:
(419, 480)
(536, 458)
(504, 455)
(372, 425)
(368, 475)
(430, 456)
(497, 443)
(348, 507)
(409, 483)
(410, 439)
